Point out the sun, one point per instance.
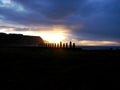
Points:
(53, 37)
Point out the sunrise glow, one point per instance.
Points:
(52, 37)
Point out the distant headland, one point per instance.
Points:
(19, 40)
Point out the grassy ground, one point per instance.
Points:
(59, 69)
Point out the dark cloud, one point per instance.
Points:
(52, 9)
(103, 24)
(86, 19)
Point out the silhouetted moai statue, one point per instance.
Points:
(60, 44)
(57, 45)
(53, 45)
(47, 45)
(74, 45)
(63, 45)
(50, 45)
(70, 44)
(42, 45)
(66, 45)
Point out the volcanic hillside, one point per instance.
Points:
(19, 40)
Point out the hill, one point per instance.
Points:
(19, 40)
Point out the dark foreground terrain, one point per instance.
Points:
(59, 69)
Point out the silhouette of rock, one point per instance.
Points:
(19, 40)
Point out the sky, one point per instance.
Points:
(85, 22)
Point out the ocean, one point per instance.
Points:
(99, 47)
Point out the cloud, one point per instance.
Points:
(103, 24)
(41, 11)
(52, 9)
(96, 43)
(85, 19)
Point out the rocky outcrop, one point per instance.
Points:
(19, 40)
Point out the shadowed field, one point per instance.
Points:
(59, 69)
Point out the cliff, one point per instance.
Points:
(19, 40)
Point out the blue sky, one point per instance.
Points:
(87, 22)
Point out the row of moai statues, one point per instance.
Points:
(58, 45)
